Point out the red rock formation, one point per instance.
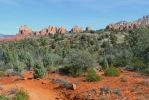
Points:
(24, 30)
(52, 30)
(44, 32)
(61, 30)
(124, 25)
(76, 29)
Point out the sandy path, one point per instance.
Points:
(35, 89)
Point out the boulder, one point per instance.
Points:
(64, 83)
(74, 86)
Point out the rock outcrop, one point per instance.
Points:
(52, 29)
(61, 30)
(76, 29)
(124, 25)
(25, 30)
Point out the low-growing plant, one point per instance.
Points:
(3, 97)
(21, 95)
(2, 73)
(39, 70)
(53, 68)
(111, 71)
(73, 71)
(92, 76)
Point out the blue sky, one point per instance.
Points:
(38, 14)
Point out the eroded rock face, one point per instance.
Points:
(25, 30)
(76, 29)
(61, 30)
(52, 30)
(124, 25)
(44, 32)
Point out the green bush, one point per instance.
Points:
(78, 62)
(111, 71)
(53, 68)
(73, 71)
(21, 95)
(51, 59)
(147, 70)
(2, 73)
(92, 76)
(39, 70)
(3, 97)
(79, 59)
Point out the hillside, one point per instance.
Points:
(75, 65)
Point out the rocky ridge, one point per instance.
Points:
(26, 31)
(125, 25)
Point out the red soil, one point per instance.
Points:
(44, 89)
(37, 89)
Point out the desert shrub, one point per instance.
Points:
(53, 68)
(146, 70)
(135, 68)
(80, 59)
(43, 41)
(111, 71)
(6, 55)
(73, 71)
(39, 70)
(92, 76)
(21, 95)
(78, 62)
(3, 97)
(2, 73)
(27, 58)
(18, 68)
(10, 72)
(51, 60)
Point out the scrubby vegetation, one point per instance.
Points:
(75, 53)
(39, 70)
(111, 71)
(92, 76)
(17, 95)
(21, 95)
(4, 97)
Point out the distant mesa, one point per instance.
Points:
(124, 25)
